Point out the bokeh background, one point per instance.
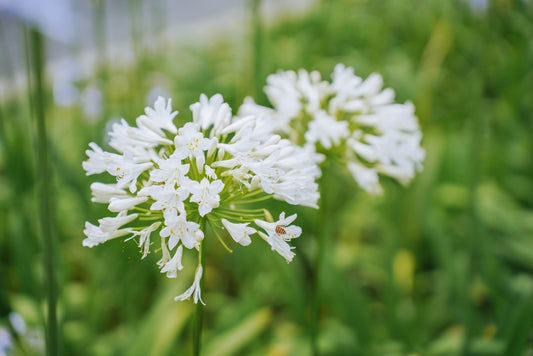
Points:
(441, 267)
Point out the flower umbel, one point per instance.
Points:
(206, 175)
(352, 119)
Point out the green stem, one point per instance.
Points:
(474, 245)
(323, 231)
(215, 228)
(45, 193)
(198, 315)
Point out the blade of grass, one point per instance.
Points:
(36, 58)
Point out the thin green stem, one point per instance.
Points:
(198, 315)
(325, 224)
(243, 211)
(243, 196)
(214, 227)
(249, 201)
(45, 193)
(474, 231)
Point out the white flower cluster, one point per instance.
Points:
(350, 116)
(180, 182)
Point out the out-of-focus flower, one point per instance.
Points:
(91, 100)
(349, 117)
(205, 175)
(6, 342)
(18, 323)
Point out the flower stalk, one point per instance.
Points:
(36, 58)
(198, 314)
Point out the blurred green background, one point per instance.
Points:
(442, 267)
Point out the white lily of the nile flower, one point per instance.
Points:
(194, 290)
(186, 183)
(352, 119)
(278, 233)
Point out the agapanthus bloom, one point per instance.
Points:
(350, 117)
(179, 183)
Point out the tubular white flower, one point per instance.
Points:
(144, 239)
(191, 143)
(179, 229)
(99, 161)
(279, 232)
(102, 193)
(160, 117)
(326, 130)
(118, 204)
(239, 232)
(365, 177)
(211, 112)
(194, 290)
(167, 198)
(171, 267)
(123, 137)
(107, 230)
(206, 194)
(171, 170)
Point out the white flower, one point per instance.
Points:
(6, 342)
(171, 267)
(239, 232)
(206, 194)
(118, 204)
(144, 239)
(127, 171)
(192, 143)
(167, 198)
(194, 290)
(107, 230)
(326, 130)
(102, 193)
(366, 178)
(279, 232)
(160, 117)
(204, 174)
(210, 172)
(211, 112)
(179, 229)
(124, 137)
(17, 322)
(171, 170)
(99, 161)
(353, 119)
(292, 93)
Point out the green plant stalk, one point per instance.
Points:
(473, 231)
(323, 232)
(198, 314)
(45, 193)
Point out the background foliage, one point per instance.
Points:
(442, 267)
